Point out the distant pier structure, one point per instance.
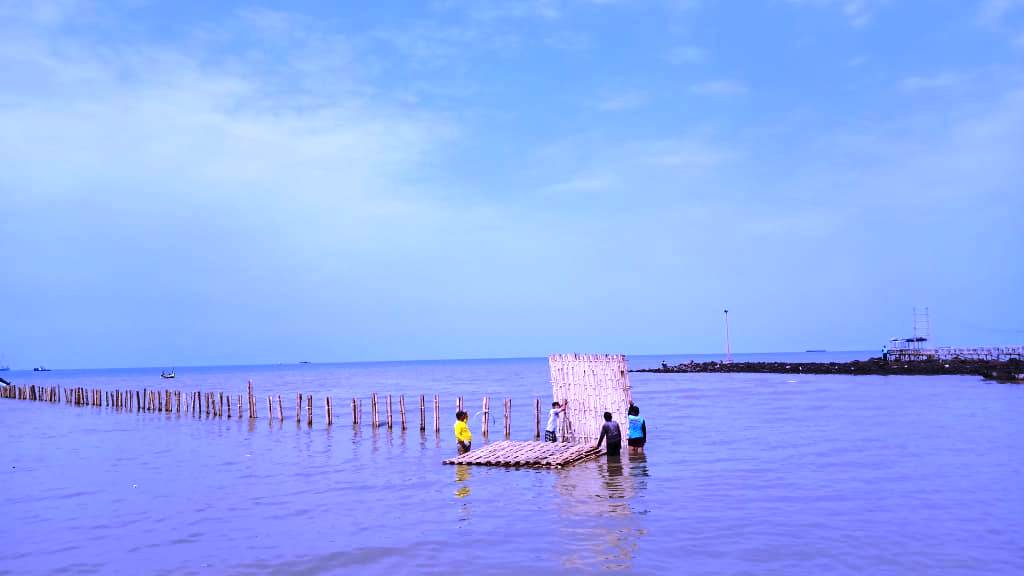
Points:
(918, 348)
(994, 353)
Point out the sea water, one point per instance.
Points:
(743, 474)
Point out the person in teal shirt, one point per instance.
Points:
(637, 430)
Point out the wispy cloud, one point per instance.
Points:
(649, 168)
(686, 55)
(570, 41)
(994, 12)
(719, 88)
(857, 12)
(491, 10)
(936, 81)
(622, 101)
(580, 183)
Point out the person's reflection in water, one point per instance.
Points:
(462, 480)
(600, 497)
(638, 470)
(612, 475)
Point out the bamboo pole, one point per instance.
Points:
(401, 409)
(508, 417)
(270, 408)
(389, 412)
(355, 417)
(437, 414)
(298, 407)
(280, 409)
(423, 414)
(483, 418)
(373, 408)
(536, 417)
(309, 409)
(330, 413)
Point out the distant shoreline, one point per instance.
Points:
(1003, 371)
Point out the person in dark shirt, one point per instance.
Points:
(612, 434)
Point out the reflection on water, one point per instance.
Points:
(462, 480)
(601, 497)
(828, 475)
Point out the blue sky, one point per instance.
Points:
(208, 182)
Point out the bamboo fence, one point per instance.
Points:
(591, 384)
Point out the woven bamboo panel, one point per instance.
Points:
(592, 384)
(528, 454)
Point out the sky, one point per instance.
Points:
(189, 183)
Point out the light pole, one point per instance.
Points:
(728, 346)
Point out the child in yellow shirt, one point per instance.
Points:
(463, 437)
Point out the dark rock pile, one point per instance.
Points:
(1003, 371)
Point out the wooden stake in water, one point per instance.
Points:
(536, 415)
(483, 418)
(423, 414)
(298, 407)
(355, 416)
(389, 412)
(309, 409)
(401, 409)
(330, 414)
(280, 409)
(437, 414)
(252, 401)
(508, 417)
(373, 408)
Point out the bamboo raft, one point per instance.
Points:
(528, 454)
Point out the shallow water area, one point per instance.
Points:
(744, 474)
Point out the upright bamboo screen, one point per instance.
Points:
(592, 384)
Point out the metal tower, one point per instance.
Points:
(922, 327)
(728, 345)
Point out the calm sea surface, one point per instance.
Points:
(744, 474)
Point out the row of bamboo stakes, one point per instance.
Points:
(219, 404)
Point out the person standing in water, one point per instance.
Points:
(612, 432)
(551, 430)
(637, 430)
(463, 437)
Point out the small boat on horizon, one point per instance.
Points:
(167, 374)
(822, 350)
(5, 368)
(41, 369)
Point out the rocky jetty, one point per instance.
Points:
(1003, 371)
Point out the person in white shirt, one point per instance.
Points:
(550, 432)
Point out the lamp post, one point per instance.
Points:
(728, 346)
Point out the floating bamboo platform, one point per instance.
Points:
(530, 454)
